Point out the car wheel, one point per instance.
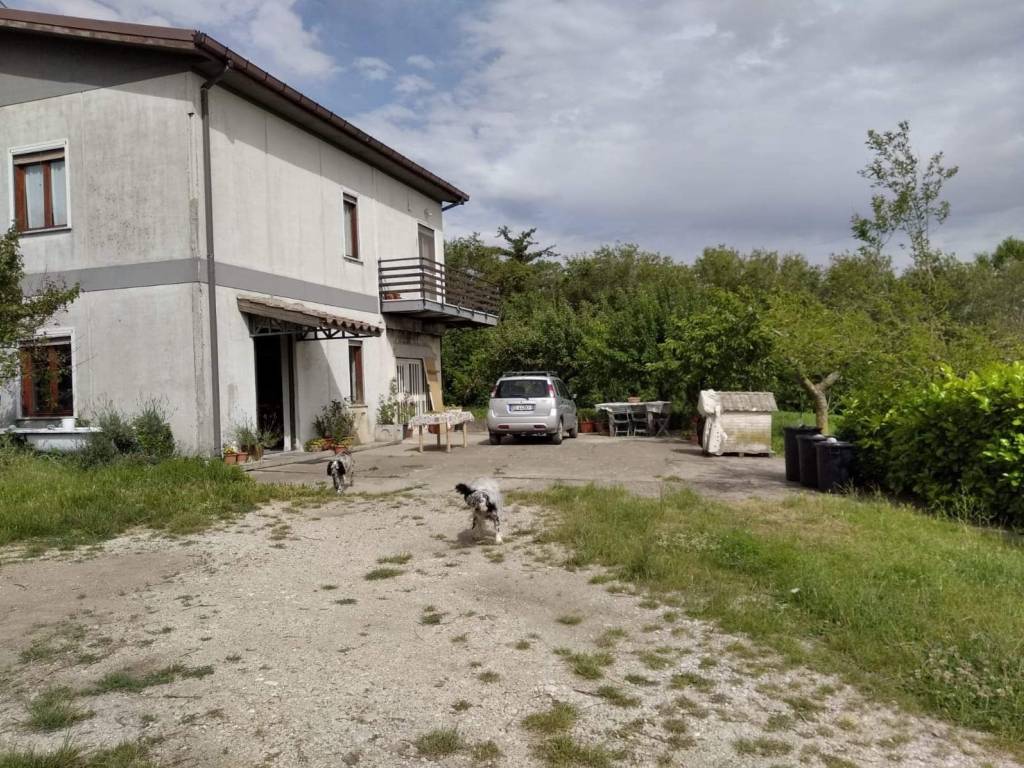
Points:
(556, 438)
(574, 431)
(495, 438)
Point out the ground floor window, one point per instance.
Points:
(355, 373)
(46, 378)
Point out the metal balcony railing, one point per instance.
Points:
(425, 281)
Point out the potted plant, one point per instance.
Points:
(315, 445)
(336, 424)
(230, 453)
(393, 414)
(248, 441)
(587, 418)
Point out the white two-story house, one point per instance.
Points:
(243, 253)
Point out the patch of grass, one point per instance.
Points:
(441, 742)
(328, 587)
(610, 637)
(460, 638)
(431, 616)
(346, 601)
(570, 620)
(125, 755)
(485, 752)
(559, 718)
(130, 682)
(461, 705)
(682, 680)
(649, 603)
(57, 502)
(522, 645)
(834, 761)
(565, 752)
(378, 574)
(654, 661)
(803, 707)
(617, 697)
(904, 605)
(399, 559)
(675, 725)
(643, 682)
(589, 666)
(779, 722)
(54, 709)
(762, 746)
(488, 676)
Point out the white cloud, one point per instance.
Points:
(681, 125)
(412, 84)
(420, 61)
(372, 68)
(269, 31)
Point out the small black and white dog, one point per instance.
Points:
(483, 496)
(342, 469)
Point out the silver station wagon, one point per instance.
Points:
(531, 403)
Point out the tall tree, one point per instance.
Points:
(21, 314)
(907, 200)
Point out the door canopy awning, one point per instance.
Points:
(274, 317)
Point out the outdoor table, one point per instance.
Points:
(652, 406)
(447, 420)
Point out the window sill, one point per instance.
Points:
(46, 231)
(351, 260)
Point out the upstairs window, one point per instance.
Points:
(40, 190)
(351, 228)
(355, 373)
(46, 378)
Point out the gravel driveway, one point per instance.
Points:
(290, 656)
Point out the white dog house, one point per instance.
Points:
(737, 422)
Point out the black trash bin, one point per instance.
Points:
(835, 464)
(789, 436)
(808, 459)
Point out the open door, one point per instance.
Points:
(273, 379)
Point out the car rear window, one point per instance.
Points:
(522, 388)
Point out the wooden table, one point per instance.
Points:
(446, 421)
(656, 427)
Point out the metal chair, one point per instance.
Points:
(619, 422)
(660, 413)
(638, 424)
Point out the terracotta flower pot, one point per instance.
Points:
(241, 457)
(434, 429)
(586, 427)
(230, 458)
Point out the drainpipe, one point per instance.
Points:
(211, 264)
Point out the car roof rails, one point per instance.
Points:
(529, 373)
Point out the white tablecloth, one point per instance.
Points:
(451, 418)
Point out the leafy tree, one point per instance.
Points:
(517, 247)
(908, 198)
(21, 314)
(1007, 252)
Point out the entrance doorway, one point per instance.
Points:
(274, 382)
(409, 376)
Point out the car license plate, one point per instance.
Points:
(521, 407)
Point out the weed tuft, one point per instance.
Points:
(54, 709)
(559, 718)
(441, 742)
(378, 574)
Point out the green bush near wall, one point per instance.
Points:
(956, 444)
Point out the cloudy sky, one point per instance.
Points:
(674, 125)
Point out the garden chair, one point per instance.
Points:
(618, 422)
(638, 423)
(660, 413)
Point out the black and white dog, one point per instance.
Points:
(483, 496)
(342, 469)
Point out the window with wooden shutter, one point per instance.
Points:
(351, 216)
(355, 373)
(40, 190)
(46, 379)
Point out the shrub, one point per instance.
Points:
(956, 444)
(152, 432)
(396, 408)
(116, 429)
(335, 421)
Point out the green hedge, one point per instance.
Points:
(956, 444)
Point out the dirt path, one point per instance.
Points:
(313, 664)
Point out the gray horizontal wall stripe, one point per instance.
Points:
(178, 271)
(245, 279)
(141, 275)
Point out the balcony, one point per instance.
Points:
(427, 290)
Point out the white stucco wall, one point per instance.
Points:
(133, 190)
